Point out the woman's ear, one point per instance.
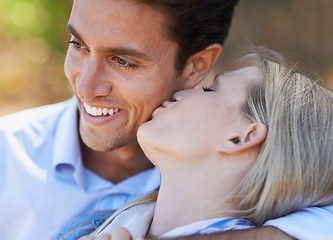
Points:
(200, 64)
(253, 136)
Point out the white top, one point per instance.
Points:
(308, 224)
(43, 184)
(137, 221)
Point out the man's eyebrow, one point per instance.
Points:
(130, 52)
(118, 51)
(72, 31)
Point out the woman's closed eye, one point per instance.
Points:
(207, 89)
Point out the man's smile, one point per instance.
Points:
(96, 111)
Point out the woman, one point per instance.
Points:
(256, 145)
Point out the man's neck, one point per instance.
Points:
(116, 165)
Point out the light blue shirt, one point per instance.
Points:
(43, 184)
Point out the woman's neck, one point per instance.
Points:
(189, 196)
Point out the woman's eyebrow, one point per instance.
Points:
(218, 75)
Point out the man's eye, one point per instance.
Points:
(206, 89)
(76, 44)
(123, 63)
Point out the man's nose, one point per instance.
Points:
(93, 80)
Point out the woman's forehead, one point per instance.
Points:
(244, 75)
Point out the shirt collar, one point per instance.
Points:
(67, 153)
(143, 182)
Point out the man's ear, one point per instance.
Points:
(200, 64)
(253, 136)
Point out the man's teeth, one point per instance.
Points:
(99, 111)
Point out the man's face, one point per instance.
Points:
(120, 66)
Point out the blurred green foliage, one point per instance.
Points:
(33, 42)
(32, 50)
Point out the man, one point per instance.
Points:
(125, 58)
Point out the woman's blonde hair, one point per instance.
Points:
(294, 169)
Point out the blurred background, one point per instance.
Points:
(33, 43)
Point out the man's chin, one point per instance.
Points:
(103, 144)
(95, 146)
